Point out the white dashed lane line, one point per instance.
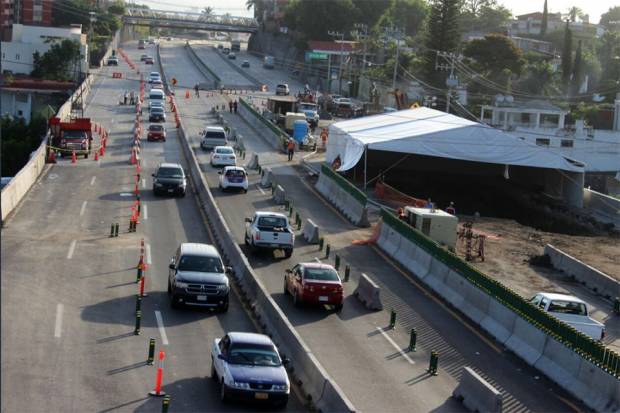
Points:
(148, 254)
(71, 249)
(92, 181)
(389, 339)
(260, 189)
(83, 208)
(160, 326)
(145, 212)
(58, 324)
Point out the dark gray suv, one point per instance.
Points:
(169, 179)
(197, 277)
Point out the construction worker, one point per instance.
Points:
(132, 98)
(450, 209)
(125, 96)
(290, 149)
(196, 88)
(230, 106)
(235, 106)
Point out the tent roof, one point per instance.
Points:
(425, 131)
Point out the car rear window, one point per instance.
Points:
(200, 263)
(170, 173)
(156, 128)
(156, 96)
(567, 307)
(321, 274)
(272, 222)
(226, 151)
(215, 135)
(235, 173)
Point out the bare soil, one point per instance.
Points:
(510, 245)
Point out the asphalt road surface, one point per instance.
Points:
(69, 291)
(368, 361)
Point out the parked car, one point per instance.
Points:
(223, 156)
(157, 84)
(220, 47)
(156, 132)
(314, 283)
(113, 61)
(213, 136)
(157, 114)
(169, 179)
(269, 230)
(197, 277)
(233, 177)
(141, 44)
(571, 310)
(232, 56)
(149, 61)
(245, 63)
(247, 366)
(282, 89)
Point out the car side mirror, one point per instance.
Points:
(153, 175)
(228, 270)
(221, 357)
(248, 220)
(285, 361)
(171, 266)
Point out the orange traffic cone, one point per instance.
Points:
(52, 157)
(73, 157)
(97, 155)
(101, 149)
(187, 94)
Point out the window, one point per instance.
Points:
(567, 143)
(542, 141)
(17, 56)
(38, 2)
(37, 14)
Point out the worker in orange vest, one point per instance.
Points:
(291, 149)
(450, 209)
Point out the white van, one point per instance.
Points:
(157, 94)
(213, 136)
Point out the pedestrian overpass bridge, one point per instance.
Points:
(185, 20)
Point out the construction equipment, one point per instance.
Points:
(473, 241)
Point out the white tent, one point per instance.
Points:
(429, 132)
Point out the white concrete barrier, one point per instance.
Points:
(279, 196)
(311, 232)
(594, 279)
(499, 321)
(253, 162)
(266, 179)
(527, 341)
(477, 394)
(369, 293)
(351, 208)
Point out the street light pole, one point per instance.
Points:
(335, 34)
(398, 34)
(363, 27)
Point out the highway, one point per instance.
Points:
(355, 346)
(69, 291)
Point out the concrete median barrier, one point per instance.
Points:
(499, 321)
(253, 162)
(311, 232)
(343, 199)
(369, 293)
(279, 196)
(527, 341)
(559, 363)
(267, 179)
(477, 394)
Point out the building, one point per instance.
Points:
(27, 12)
(531, 23)
(24, 97)
(8, 16)
(25, 40)
(532, 45)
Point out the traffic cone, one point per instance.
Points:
(97, 155)
(73, 157)
(187, 94)
(52, 157)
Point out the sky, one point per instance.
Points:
(237, 7)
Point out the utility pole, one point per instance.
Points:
(451, 81)
(364, 36)
(398, 34)
(335, 34)
(91, 34)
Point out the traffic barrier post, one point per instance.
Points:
(160, 373)
(433, 363)
(327, 250)
(413, 338)
(165, 404)
(136, 331)
(337, 262)
(116, 229)
(138, 303)
(347, 273)
(139, 267)
(151, 356)
(392, 319)
(142, 282)
(111, 230)
(617, 305)
(321, 242)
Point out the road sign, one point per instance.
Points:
(315, 56)
(174, 81)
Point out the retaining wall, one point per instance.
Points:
(204, 69)
(344, 196)
(604, 207)
(581, 366)
(594, 279)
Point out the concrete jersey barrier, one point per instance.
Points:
(342, 198)
(477, 395)
(311, 232)
(369, 293)
(324, 392)
(594, 279)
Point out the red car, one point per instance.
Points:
(314, 283)
(149, 61)
(156, 132)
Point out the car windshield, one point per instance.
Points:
(254, 355)
(157, 109)
(272, 222)
(321, 274)
(308, 106)
(156, 128)
(200, 263)
(567, 307)
(170, 173)
(74, 134)
(235, 173)
(227, 151)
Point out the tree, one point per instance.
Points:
(575, 12)
(608, 52)
(567, 50)
(494, 54)
(442, 34)
(475, 6)
(538, 79)
(58, 62)
(314, 18)
(578, 73)
(206, 13)
(611, 19)
(406, 14)
(117, 8)
(493, 19)
(545, 20)
(18, 141)
(369, 11)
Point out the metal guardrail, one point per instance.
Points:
(582, 344)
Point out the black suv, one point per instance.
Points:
(169, 179)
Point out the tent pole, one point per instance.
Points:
(365, 164)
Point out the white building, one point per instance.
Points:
(17, 54)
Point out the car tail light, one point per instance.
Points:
(258, 236)
(338, 289)
(309, 287)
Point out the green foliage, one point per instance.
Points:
(567, 50)
(578, 70)
(18, 141)
(488, 18)
(58, 62)
(545, 20)
(314, 18)
(369, 11)
(538, 80)
(608, 52)
(117, 8)
(406, 14)
(442, 34)
(494, 54)
(611, 19)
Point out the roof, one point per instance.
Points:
(234, 168)
(269, 214)
(327, 46)
(564, 297)
(215, 128)
(170, 165)
(315, 265)
(29, 83)
(198, 249)
(250, 338)
(286, 98)
(429, 132)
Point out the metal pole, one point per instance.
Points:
(329, 73)
(340, 68)
(396, 62)
(365, 164)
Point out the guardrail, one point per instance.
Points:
(202, 65)
(583, 345)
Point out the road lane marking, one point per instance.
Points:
(389, 339)
(92, 181)
(58, 324)
(317, 259)
(160, 326)
(260, 189)
(146, 212)
(83, 208)
(71, 249)
(143, 183)
(148, 254)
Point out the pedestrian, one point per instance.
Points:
(450, 209)
(196, 88)
(132, 99)
(230, 106)
(291, 149)
(235, 106)
(125, 96)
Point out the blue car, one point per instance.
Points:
(248, 367)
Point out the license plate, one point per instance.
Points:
(275, 245)
(201, 298)
(323, 298)
(261, 396)
(171, 190)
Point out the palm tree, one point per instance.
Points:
(575, 12)
(207, 13)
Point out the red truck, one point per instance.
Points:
(75, 135)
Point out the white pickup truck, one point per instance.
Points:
(571, 310)
(269, 230)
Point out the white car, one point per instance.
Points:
(233, 177)
(223, 156)
(282, 89)
(154, 76)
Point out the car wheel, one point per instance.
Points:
(173, 301)
(288, 253)
(285, 287)
(296, 300)
(245, 241)
(253, 247)
(338, 307)
(183, 194)
(245, 191)
(223, 394)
